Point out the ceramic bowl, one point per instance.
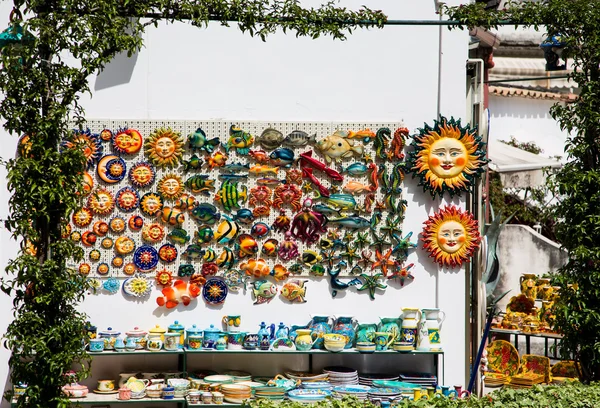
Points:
(365, 347)
(154, 391)
(335, 337)
(335, 346)
(178, 383)
(403, 346)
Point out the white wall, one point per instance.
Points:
(219, 73)
(528, 120)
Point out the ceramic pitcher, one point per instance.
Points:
(304, 339)
(410, 321)
(434, 318)
(390, 325)
(364, 332)
(422, 335)
(320, 325)
(345, 325)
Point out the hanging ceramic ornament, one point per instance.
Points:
(137, 286)
(94, 284)
(294, 291)
(151, 204)
(371, 283)
(167, 253)
(164, 148)
(171, 186)
(107, 243)
(88, 238)
(100, 228)
(106, 135)
(94, 255)
(117, 225)
(102, 269)
(88, 142)
(82, 217)
(142, 174)
(111, 285)
(111, 169)
(451, 236)
(88, 183)
(214, 290)
(135, 223)
(235, 279)
(153, 233)
(129, 269)
(447, 157)
(263, 291)
(127, 199)
(180, 292)
(127, 141)
(164, 277)
(101, 202)
(84, 269)
(117, 261)
(403, 274)
(145, 258)
(124, 245)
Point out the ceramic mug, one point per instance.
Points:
(420, 394)
(194, 397)
(232, 323)
(383, 340)
(106, 385)
(96, 345)
(235, 340)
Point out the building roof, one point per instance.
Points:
(531, 93)
(506, 68)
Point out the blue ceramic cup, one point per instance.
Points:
(168, 392)
(97, 345)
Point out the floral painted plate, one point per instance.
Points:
(503, 358)
(536, 364)
(145, 258)
(215, 290)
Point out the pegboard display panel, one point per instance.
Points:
(344, 238)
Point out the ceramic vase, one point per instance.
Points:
(410, 320)
(346, 325)
(422, 335)
(320, 325)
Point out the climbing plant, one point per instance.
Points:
(577, 215)
(52, 48)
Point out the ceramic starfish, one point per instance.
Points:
(330, 257)
(392, 226)
(365, 259)
(350, 254)
(403, 245)
(333, 234)
(362, 239)
(306, 187)
(379, 242)
(348, 237)
(334, 189)
(402, 273)
(371, 283)
(383, 261)
(367, 157)
(380, 206)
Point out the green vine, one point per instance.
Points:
(42, 85)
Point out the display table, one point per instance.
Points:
(546, 336)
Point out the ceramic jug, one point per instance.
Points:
(265, 342)
(320, 325)
(304, 340)
(390, 325)
(528, 283)
(293, 331)
(266, 330)
(410, 320)
(422, 335)
(282, 331)
(434, 318)
(130, 344)
(346, 325)
(365, 332)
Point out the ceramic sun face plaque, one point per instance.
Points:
(127, 141)
(142, 174)
(127, 199)
(111, 169)
(447, 157)
(451, 236)
(89, 142)
(171, 186)
(164, 148)
(101, 202)
(151, 204)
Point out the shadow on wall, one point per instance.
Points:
(117, 72)
(522, 250)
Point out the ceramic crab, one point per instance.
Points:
(308, 224)
(260, 197)
(287, 194)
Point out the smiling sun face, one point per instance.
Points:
(164, 148)
(451, 236)
(447, 157)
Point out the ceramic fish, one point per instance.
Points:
(317, 270)
(269, 181)
(226, 259)
(263, 291)
(226, 231)
(200, 183)
(260, 229)
(205, 213)
(310, 258)
(261, 168)
(283, 157)
(233, 176)
(204, 235)
(270, 138)
(280, 272)
(270, 247)
(193, 252)
(299, 138)
(198, 141)
(210, 255)
(354, 187)
(256, 267)
(337, 147)
(260, 156)
(239, 139)
(323, 209)
(341, 201)
(194, 163)
(235, 167)
(294, 290)
(244, 216)
(246, 245)
(366, 135)
(173, 216)
(216, 160)
(356, 169)
(353, 222)
(229, 195)
(180, 292)
(185, 202)
(178, 236)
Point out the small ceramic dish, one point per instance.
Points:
(334, 347)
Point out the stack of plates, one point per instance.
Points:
(493, 380)
(239, 375)
(317, 385)
(424, 379)
(384, 394)
(308, 396)
(305, 377)
(367, 379)
(525, 380)
(339, 375)
(272, 393)
(235, 393)
(358, 391)
(218, 379)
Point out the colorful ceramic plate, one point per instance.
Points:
(111, 169)
(142, 174)
(167, 253)
(316, 385)
(127, 141)
(309, 394)
(215, 290)
(503, 358)
(137, 286)
(283, 345)
(223, 379)
(106, 392)
(394, 384)
(127, 199)
(145, 258)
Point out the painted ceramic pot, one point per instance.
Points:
(110, 337)
(390, 325)
(154, 342)
(345, 325)
(235, 340)
(364, 332)
(304, 340)
(320, 325)
(171, 341)
(251, 341)
(528, 282)
(192, 332)
(211, 335)
(194, 341)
